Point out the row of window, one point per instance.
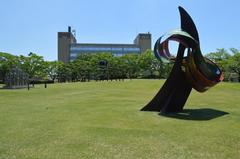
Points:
(74, 55)
(99, 49)
(112, 52)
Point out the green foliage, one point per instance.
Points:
(51, 69)
(131, 65)
(7, 61)
(146, 62)
(87, 66)
(33, 65)
(234, 62)
(228, 62)
(221, 57)
(64, 72)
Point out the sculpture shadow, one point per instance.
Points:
(196, 114)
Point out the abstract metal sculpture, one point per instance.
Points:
(191, 71)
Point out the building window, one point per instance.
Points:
(90, 49)
(131, 49)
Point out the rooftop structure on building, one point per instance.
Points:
(69, 49)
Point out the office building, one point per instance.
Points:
(69, 49)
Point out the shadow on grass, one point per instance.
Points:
(196, 114)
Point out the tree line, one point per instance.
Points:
(229, 62)
(105, 66)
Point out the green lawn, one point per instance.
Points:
(102, 120)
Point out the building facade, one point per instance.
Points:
(69, 49)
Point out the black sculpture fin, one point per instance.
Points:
(175, 91)
(187, 24)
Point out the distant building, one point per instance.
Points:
(69, 49)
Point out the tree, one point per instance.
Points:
(132, 66)
(51, 69)
(64, 72)
(117, 68)
(7, 61)
(33, 65)
(221, 57)
(234, 62)
(148, 63)
(81, 70)
(102, 71)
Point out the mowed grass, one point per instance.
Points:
(102, 120)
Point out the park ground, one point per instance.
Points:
(102, 120)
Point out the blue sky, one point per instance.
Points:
(32, 25)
